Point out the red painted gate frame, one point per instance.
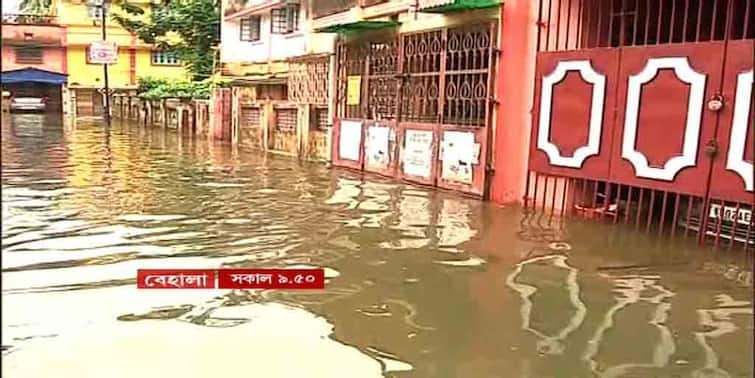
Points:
(393, 148)
(403, 127)
(477, 187)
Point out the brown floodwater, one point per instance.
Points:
(421, 283)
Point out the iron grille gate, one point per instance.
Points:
(639, 155)
(435, 81)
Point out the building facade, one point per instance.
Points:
(260, 38)
(628, 110)
(82, 22)
(58, 42)
(34, 58)
(635, 112)
(415, 82)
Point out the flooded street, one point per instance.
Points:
(421, 283)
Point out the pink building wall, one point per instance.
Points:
(51, 38)
(53, 59)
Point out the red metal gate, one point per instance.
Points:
(646, 107)
(426, 96)
(663, 122)
(736, 138)
(467, 108)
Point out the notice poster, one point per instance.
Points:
(353, 90)
(458, 152)
(350, 140)
(418, 153)
(103, 52)
(376, 150)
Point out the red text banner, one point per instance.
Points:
(271, 279)
(175, 279)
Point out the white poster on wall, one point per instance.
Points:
(458, 153)
(377, 147)
(350, 140)
(418, 153)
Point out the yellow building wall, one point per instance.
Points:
(83, 74)
(145, 68)
(81, 31)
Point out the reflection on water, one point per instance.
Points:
(719, 322)
(630, 291)
(419, 283)
(549, 344)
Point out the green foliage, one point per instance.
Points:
(196, 22)
(34, 6)
(155, 89)
(147, 83)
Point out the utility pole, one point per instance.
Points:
(103, 20)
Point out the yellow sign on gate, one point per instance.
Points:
(353, 90)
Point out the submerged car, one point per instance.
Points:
(725, 220)
(28, 104)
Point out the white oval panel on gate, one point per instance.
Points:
(598, 81)
(735, 161)
(685, 73)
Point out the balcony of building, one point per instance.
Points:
(30, 29)
(344, 16)
(335, 16)
(29, 19)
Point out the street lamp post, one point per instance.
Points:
(103, 19)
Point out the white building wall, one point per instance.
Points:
(269, 47)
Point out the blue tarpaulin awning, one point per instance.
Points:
(32, 75)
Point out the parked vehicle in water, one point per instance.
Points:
(726, 220)
(28, 104)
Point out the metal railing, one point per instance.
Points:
(726, 224)
(29, 19)
(322, 8)
(567, 25)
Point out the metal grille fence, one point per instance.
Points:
(586, 24)
(606, 33)
(285, 119)
(437, 76)
(308, 81)
(668, 214)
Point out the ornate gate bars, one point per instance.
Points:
(439, 76)
(426, 94)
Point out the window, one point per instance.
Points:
(285, 20)
(29, 55)
(163, 58)
(250, 29)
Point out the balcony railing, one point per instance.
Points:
(29, 19)
(369, 3)
(322, 8)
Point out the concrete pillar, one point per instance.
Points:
(302, 130)
(332, 82)
(66, 100)
(163, 114)
(180, 120)
(73, 106)
(514, 89)
(235, 114)
(268, 121)
(5, 100)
